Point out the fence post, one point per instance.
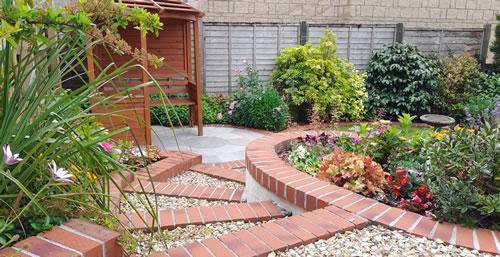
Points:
(303, 32)
(203, 55)
(485, 44)
(229, 60)
(400, 30)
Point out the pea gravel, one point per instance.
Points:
(164, 202)
(199, 179)
(377, 241)
(164, 240)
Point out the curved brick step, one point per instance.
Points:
(273, 236)
(170, 219)
(178, 190)
(220, 172)
(172, 164)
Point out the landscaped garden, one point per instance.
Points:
(349, 164)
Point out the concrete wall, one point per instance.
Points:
(422, 13)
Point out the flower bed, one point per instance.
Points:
(267, 168)
(424, 173)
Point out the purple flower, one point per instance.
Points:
(356, 140)
(370, 135)
(106, 147)
(59, 174)
(382, 129)
(8, 157)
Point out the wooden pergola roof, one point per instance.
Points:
(164, 6)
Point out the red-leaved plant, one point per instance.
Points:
(357, 173)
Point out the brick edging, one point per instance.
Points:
(73, 238)
(304, 191)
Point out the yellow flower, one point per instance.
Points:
(402, 138)
(76, 169)
(437, 136)
(91, 176)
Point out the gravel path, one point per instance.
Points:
(377, 241)
(164, 240)
(165, 202)
(195, 178)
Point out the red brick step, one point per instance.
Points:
(171, 219)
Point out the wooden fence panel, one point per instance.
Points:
(229, 46)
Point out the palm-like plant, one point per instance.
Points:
(64, 171)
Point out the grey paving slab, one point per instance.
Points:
(216, 145)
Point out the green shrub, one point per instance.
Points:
(463, 170)
(249, 77)
(489, 84)
(179, 115)
(317, 76)
(457, 83)
(400, 79)
(259, 107)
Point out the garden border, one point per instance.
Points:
(304, 191)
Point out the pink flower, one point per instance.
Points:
(416, 199)
(219, 116)
(401, 203)
(8, 157)
(232, 105)
(106, 147)
(59, 174)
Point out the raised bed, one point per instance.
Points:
(306, 193)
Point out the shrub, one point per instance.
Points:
(457, 83)
(489, 84)
(259, 107)
(401, 80)
(317, 76)
(249, 77)
(483, 109)
(179, 115)
(463, 170)
(357, 173)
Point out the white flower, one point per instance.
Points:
(59, 174)
(301, 152)
(8, 157)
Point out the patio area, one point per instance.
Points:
(218, 144)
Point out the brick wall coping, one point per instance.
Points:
(73, 238)
(307, 192)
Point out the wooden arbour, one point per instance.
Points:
(180, 77)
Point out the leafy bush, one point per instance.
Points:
(400, 79)
(457, 83)
(179, 115)
(249, 77)
(357, 173)
(489, 84)
(259, 107)
(483, 109)
(463, 171)
(317, 76)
